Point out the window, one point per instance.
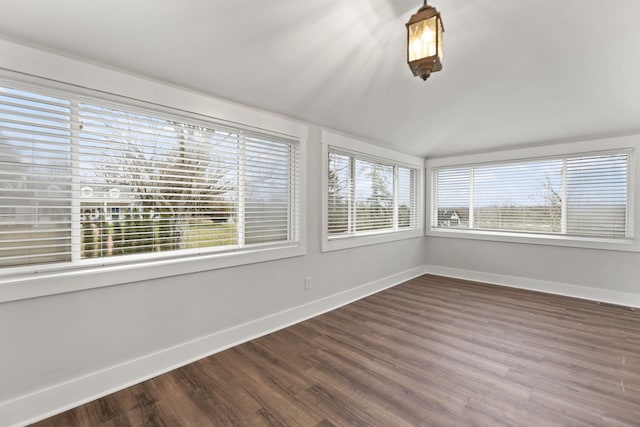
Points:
(367, 195)
(371, 194)
(582, 195)
(84, 179)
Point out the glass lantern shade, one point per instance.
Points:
(424, 42)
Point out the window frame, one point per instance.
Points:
(369, 152)
(630, 144)
(23, 282)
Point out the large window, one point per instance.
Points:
(367, 195)
(84, 179)
(582, 195)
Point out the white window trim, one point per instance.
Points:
(369, 150)
(24, 64)
(609, 144)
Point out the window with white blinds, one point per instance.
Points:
(84, 178)
(583, 195)
(367, 195)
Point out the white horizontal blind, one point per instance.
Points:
(453, 197)
(577, 195)
(597, 195)
(340, 194)
(270, 186)
(93, 179)
(367, 195)
(35, 180)
(407, 204)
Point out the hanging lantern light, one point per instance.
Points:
(424, 41)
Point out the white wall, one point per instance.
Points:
(603, 275)
(60, 350)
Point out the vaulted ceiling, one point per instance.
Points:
(515, 72)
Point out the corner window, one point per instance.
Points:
(369, 196)
(579, 196)
(366, 195)
(83, 179)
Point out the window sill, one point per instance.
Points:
(51, 282)
(539, 239)
(336, 243)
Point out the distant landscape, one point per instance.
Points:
(590, 220)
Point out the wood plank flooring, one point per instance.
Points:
(433, 351)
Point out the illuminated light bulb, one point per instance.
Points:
(417, 48)
(424, 48)
(428, 36)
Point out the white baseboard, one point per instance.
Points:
(576, 291)
(60, 397)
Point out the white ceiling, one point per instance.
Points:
(515, 72)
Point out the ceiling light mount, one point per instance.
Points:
(424, 41)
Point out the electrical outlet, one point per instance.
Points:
(307, 283)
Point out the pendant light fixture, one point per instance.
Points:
(424, 41)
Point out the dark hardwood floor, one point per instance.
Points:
(432, 351)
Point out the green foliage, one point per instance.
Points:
(90, 239)
(142, 231)
(203, 233)
(404, 216)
